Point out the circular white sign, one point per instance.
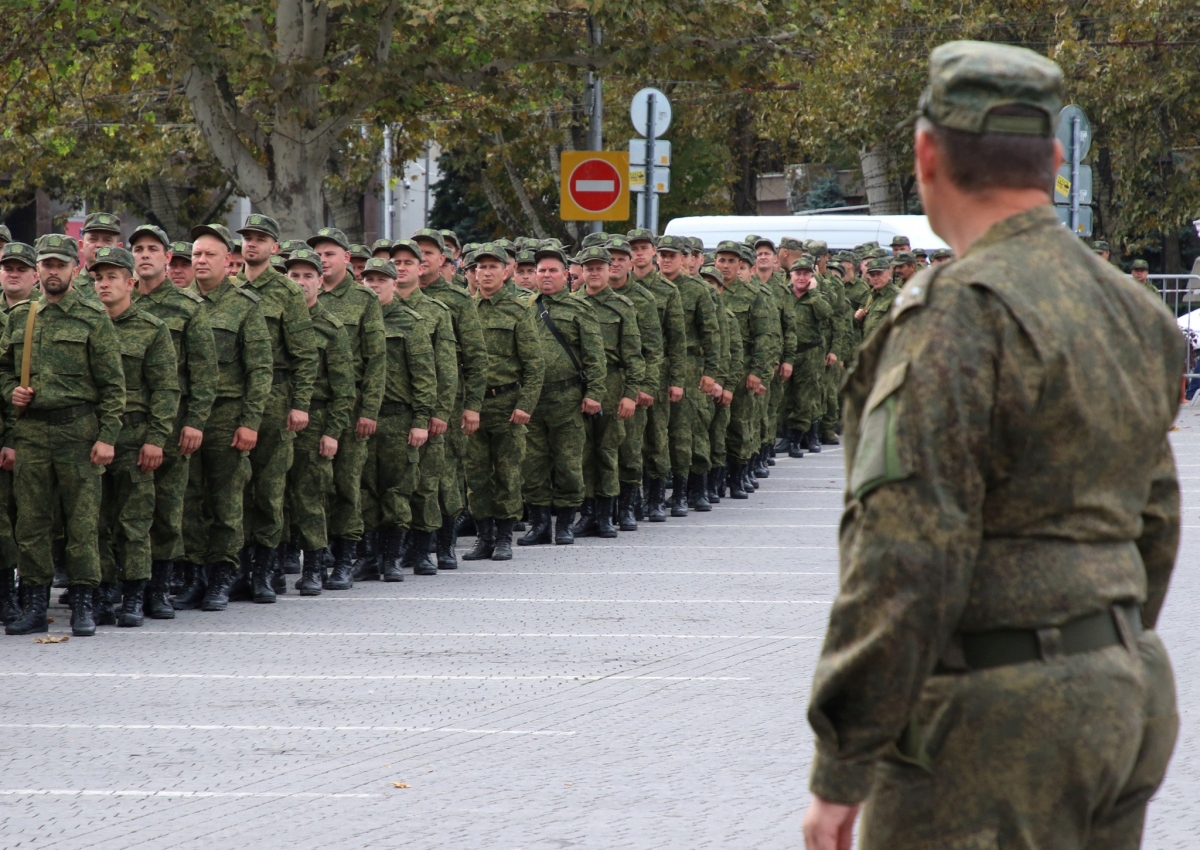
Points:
(639, 111)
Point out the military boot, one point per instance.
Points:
(158, 592)
(465, 525)
(586, 526)
(10, 603)
(604, 522)
(392, 554)
(769, 453)
(33, 620)
(829, 437)
(795, 446)
(750, 480)
(131, 615)
(279, 569)
(83, 621)
(104, 599)
(814, 438)
(639, 503)
(678, 503)
(563, 535)
(710, 487)
(447, 536)
(737, 481)
(291, 559)
(240, 590)
(656, 509)
(260, 576)
(722, 477)
(504, 535)
(220, 579)
(760, 464)
(309, 583)
(341, 577)
(696, 483)
(369, 563)
(194, 585)
(485, 541)
(539, 527)
(625, 518)
(416, 555)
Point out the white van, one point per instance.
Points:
(840, 232)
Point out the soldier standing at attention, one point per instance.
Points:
(68, 419)
(180, 267)
(991, 676)
(883, 292)
(100, 230)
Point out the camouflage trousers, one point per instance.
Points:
(552, 473)
(493, 462)
(126, 513)
(425, 503)
(776, 394)
(344, 510)
(718, 431)
(745, 425)
(217, 477)
(270, 460)
(603, 437)
(656, 448)
(309, 486)
(831, 416)
(453, 488)
(805, 400)
(1079, 777)
(633, 443)
(9, 554)
(54, 473)
(389, 475)
(685, 425)
(170, 488)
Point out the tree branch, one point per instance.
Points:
(209, 110)
(499, 205)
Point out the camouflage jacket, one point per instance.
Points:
(438, 323)
(812, 319)
(243, 348)
(756, 327)
(292, 343)
(650, 332)
(577, 325)
(357, 307)
(700, 327)
(334, 386)
(195, 350)
(877, 307)
(618, 318)
(151, 377)
(468, 336)
(668, 300)
(514, 347)
(411, 374)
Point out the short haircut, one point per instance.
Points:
(978, 162)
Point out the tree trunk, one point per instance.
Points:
(744, 190)
(882, 193)
(1172, 256)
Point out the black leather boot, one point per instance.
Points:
(33, 620)
(465, 525)
(447, 537)
(769, 453)
(722, 477)
(220, 579)
(10, 603)
(750, 480)
(485, 540)
(131, 615)
(369, 563)
(710, 487)
(539, 527)
(656, 508)
(242, 588)
(814, 438)
(696, 484)
(678, 503)
(504, 535)
(104, 602)
(760, 465)
(392, 554)
(639, 504)
(83, 623)
(563, 534)
(158, 592)
(260, 578)
(291, 559)
(309, 583)
(586, 526)
(416, 555)
(795, 446)
(341, 577)
(737, 481)
(278, 570)
(195, 582)
(604, 523)
(625, 518)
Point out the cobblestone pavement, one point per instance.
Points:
(642, 693)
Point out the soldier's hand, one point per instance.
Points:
(785, 370)
(103, 453)
(244, 439)
(753, 383)
(365, 428)
(8, 459)
(470, 422)
(707, 384)
(190, 440)
(327, 447)
(859, 315)
(150, 458)
(675, 393)
(717, 391)
(417, 437)
(22, 396)
(590, 406)
(645, 400)
(828, 826)
(626, 408)
(437, 427)
(830, 359)
(726, 398)
(519, 417)
(297, 420)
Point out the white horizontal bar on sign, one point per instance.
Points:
(595, 186)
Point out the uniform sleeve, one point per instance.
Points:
(201, 349)
(374, 354)
(257, 362)
(763, 346)
(737, 352)
(1159, 541)
(630, 349)
(161, 374)
(910, 534)
(710, 334)
(652, 345)
(446, 354)
(591, 351)
(339, 369)
(109, 378)
(675, 342)
(787, 325)
(10, 370)
(422, 374)
(533, 364)
(301, 342)
(474, 356)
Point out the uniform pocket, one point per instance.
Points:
(67, 353)
(225, 335)
(498, 334)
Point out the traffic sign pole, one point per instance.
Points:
(1075, 157)
(651, 222)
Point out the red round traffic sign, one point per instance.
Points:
(594, 185)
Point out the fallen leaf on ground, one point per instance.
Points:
(48, 639)
(1174, 427)
(400, 785)
(49, 619)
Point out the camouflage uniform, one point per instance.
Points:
(834, 292)
(651, 334)
(672, 372)
(1011, 524)
(812, 319)
(702, 334)
(760, 348)
(9, 555)
(878, 306)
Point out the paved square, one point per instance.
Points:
(642, 693)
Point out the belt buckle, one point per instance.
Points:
(1050, 643)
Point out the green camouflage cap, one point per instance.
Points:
(526, 258)
(182, 250)
(877, 254)
(747, 254)
(409, 245)
(5, 233)
(468, 260)
(150, 230)
(360, 252)
(526, 243)
(592, 253)
(1138, 265)
(728, 246)
(259, 223)
(844, 257)
(818, 248)
(697, 244)
(593, 239)
(872, 245)
(57, 246)
(805, 263)
(278, 263)
(551, 243)
(430, 235)
(674, 244)
(507, 244)
(897, 241)
(304, 255)
(619, 243)
(448, 253)
(380, 266)
(111, 255)
(492, 250)
(449, 236)
(942, 254)
(760, 241)
(19, 252)
(641, 234)
(710, 271)
(920, 253)
(1100, 245)
(551, 253)
(904, 258)
(103, 221)
(381, 245)
(329, 234)
(970, 79)
(791, 243)
(291, 246)
(470, 246)
(836, 269)
(751, 238)
(218, 230)
(879, 264)
(237, 246)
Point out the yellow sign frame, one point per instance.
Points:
(569, 210)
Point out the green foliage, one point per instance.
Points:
(826, 193)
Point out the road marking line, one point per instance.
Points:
(197, 727)
(172, 632)
(112, 792)
(371, 678)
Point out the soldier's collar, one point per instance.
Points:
(1040, 216)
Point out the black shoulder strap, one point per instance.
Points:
(544, 315)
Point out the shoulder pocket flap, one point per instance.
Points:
(133, 348)
(271, 309)
(176, 323)
(225, 323)
(500, 323)
(890, 381)
(608, 318)
(69, 334)
(394, 333)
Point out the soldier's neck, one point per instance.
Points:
(252, 272)
(145, 287)
(764, 276)
(13, 302)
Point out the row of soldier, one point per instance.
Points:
(189, 422)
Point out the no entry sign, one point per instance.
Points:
(594, 186)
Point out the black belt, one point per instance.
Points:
(59, 415)
(394, 408)
(492, 392)
(279, 376)
(1121, 624)
(550, 386)
(317, 404)
(135, 418)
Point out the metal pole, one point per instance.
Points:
(596, 127)
(1075, 173)
(385, 177)
(650, 223)
(426, 224)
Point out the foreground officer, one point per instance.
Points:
(65, 433)
(1012, 512)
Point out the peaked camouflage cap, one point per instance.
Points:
(111, 255)
(19, 252)
(5, 233)
(428, 234)
(879, 264)
(360, 252)
(619, 243)
(897, 241)
(760, 241)
(449, 236)
(508, 245)
(942, 254)
(551, 253)
(150, 230)
(1141, 265)
(697, 244)
(259, 223)
(381, 245)
(551, 243)
(710, 271)
(102, 221)
(278, 263)
(218, 230)
(593, 239)
(805, 263)
(380, 266)
(181, 250)
(728, 246)
(409, 245)
(329, 234)
(791, 243)
(290, 246)
(904, 258)
(592, 253)
(526, 243)
(642, 234)
(304, 255)
(674, 245)
(57, 246)
(491, 250)
(525, 257)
